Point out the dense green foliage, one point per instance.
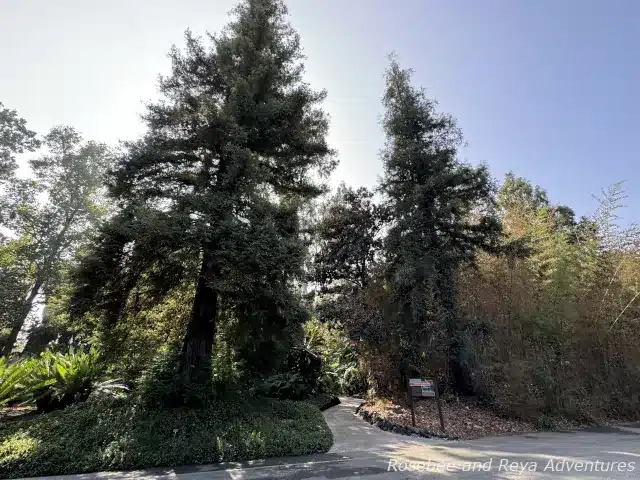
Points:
(204, 259)
(440, 214)
(15, 138)
(323, 400)
(341, 371)
(211, 194)
(67, 378)
(55, 380)
(107, 436)
(51, 216)
(13, 378)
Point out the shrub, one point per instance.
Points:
(341, 371)
(323, 400)
(299, 381)
(305, 362)
(162, 385)
(58, 380)
(13, 377)
(288, 385)
(55, 380)
(546, 422)
(159, 384)
(121, 435)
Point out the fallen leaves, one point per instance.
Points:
(461, 420)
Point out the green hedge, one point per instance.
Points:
(107, 436)
(323, 400)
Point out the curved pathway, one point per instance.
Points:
(352, 434)
(361, 450)
(603, 452)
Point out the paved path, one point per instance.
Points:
(361, 450)
(531, 453)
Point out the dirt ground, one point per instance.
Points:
(462, 420)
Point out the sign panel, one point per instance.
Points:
(422, 387)
(428, 391)
(419, 382)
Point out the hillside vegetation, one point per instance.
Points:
(192, 295)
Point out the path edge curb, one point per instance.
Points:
(384, 424)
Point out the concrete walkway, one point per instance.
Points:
(353, 435)
(361, 450)
(537, 455)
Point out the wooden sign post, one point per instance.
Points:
(423, 388)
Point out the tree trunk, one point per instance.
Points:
(195, 358)
(19, 322)
(42, 275)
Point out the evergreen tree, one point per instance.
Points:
(231, 153)
(345, 266)
(347, 235)
(440, 212)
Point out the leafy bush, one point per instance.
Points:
(67, 378)
(305, 362)
(162, 385)
(13, 377)
(120, 435)
(288, 385)
(299, 381)
(323, 400)
(55, 380)
(341, 371)
(546, 422)
(159, 384)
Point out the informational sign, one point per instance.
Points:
(423, 388)
(428, 391)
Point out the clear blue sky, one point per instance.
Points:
(546, 88)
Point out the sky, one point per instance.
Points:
(544, 88)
